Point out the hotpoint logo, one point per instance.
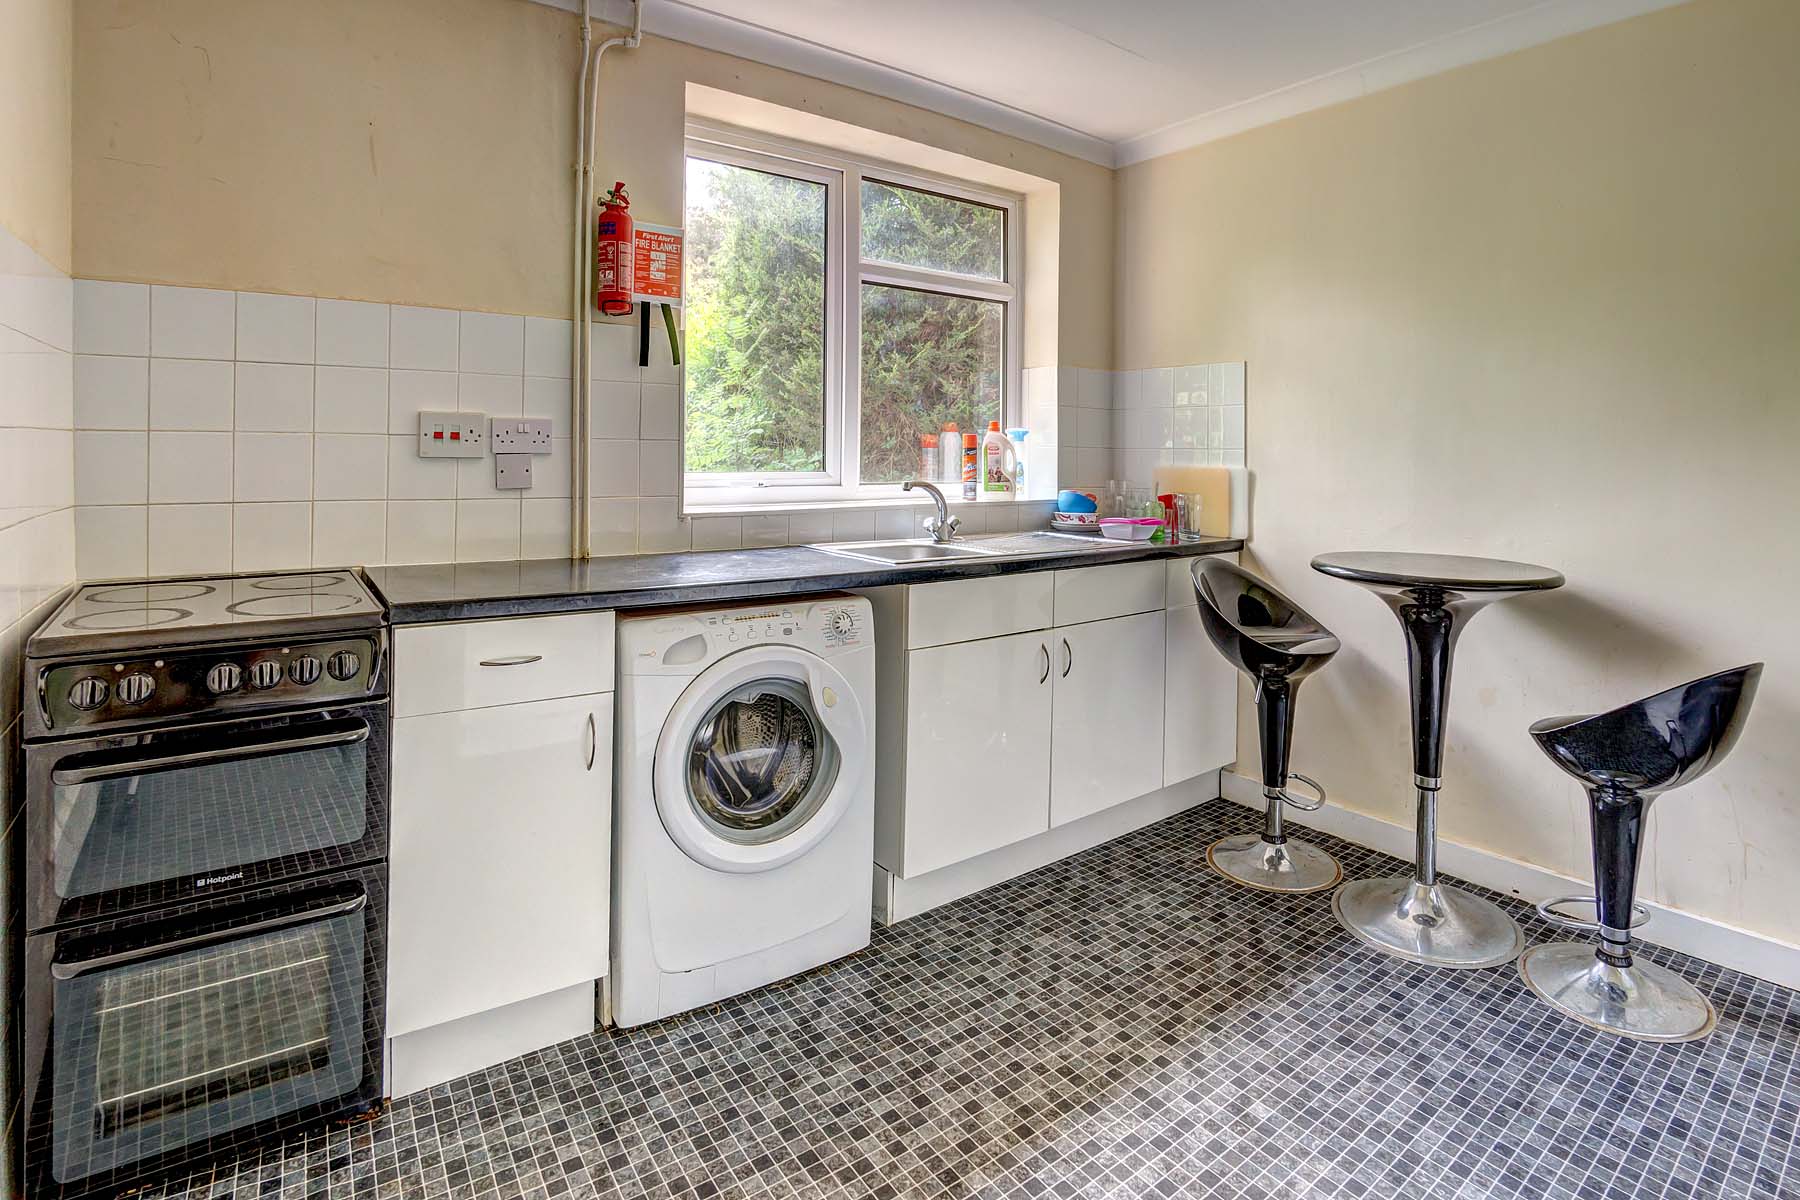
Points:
(210, 880)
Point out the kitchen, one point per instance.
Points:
(991, 873)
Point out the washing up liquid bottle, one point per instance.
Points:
(1017, 437)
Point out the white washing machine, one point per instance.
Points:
(745, 801)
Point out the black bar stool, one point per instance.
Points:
(1272, 640)
(1625, 759)
(1434, 596)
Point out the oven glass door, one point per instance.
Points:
(147, 819)
(168, 1037)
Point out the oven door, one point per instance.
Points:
(155, 1041)
(137, 820)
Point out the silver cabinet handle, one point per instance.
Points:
(1068, 658)
(593, 736)
(1046, 652)
(516, 660)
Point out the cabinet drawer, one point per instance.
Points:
(480, 664)
(966, 610)
(1095, 593)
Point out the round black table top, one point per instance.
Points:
(1454, 571)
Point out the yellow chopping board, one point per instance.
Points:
(1211, 484)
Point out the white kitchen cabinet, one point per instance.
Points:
(977, 748)
(1106, 736)
(1200, 705)
(499, 862)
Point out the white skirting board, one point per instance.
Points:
(897, 899)
(425, 1058)
(1714, 941)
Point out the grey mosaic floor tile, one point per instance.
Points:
(1120, 1024)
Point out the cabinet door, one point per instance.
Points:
(1200, 712)
(977, 748)
(1107, 736)
(500, 860)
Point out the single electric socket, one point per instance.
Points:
(512, 471)
(515, 436)
(452, 434)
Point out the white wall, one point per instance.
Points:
(1545, 307)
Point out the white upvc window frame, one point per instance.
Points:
(845, 273)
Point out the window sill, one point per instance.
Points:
(788, 508)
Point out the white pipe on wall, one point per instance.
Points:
(581, 349)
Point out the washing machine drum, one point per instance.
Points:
(759, 758)
(760, 764)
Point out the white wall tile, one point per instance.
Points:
(765, 530)
(1234, 427)
(422, 339)
(616, 409)
(475, 480)
(351, 466)
(899, 522)
(192, 323)
(187, 393)
(852, 525)
(1095, 388)
(111, 392)
(1128, 389)
(659, 412)
(551, 474)
(350, 533)
(421, 531)
(1191, 385)
(491, 344)
(272, 466)
(659, 471)
(549, 347)
(350, 400)
(187, 539)
(809, 528)
(413, 392)
(1095, 427)
(613, 468)
(551, 400)
(111, 318)
(615, 352)
(1159, 387)
(111, 468)
(352, 333)
(660, 531)
(110, 542)
(487, 530)
(612, 527)
(718, 533)
(495, 395)
(268, 537)
(543, 527)
(190, 468)
(276, 329)
(413, 478)
(274, 398)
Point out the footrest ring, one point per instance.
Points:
(1304, 806)
(1640, 915)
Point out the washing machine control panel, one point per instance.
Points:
(837, 626)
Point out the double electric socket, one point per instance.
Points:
(512, 435)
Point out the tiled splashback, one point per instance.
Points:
(223, 431)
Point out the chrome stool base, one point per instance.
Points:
(1643, 1001)
(1433, 924)
(1290, 866)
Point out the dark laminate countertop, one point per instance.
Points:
(465, 591)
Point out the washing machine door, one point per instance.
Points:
(759, 759)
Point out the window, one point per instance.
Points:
(837, 312)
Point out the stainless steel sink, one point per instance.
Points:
(1038, 544)
(907, 550)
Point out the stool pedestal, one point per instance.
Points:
(1417, 917)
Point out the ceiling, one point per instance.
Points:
(1124, 80)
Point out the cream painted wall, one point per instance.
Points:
(35, 41)
(326, 149)
(1545, 307)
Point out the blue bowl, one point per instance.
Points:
(1074, 502)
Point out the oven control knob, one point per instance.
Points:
(304, 670)
(223, 678)
(265, 674)
(344, 665)
(88, 694)
(135, 689)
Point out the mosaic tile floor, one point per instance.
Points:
(1119, 1024)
